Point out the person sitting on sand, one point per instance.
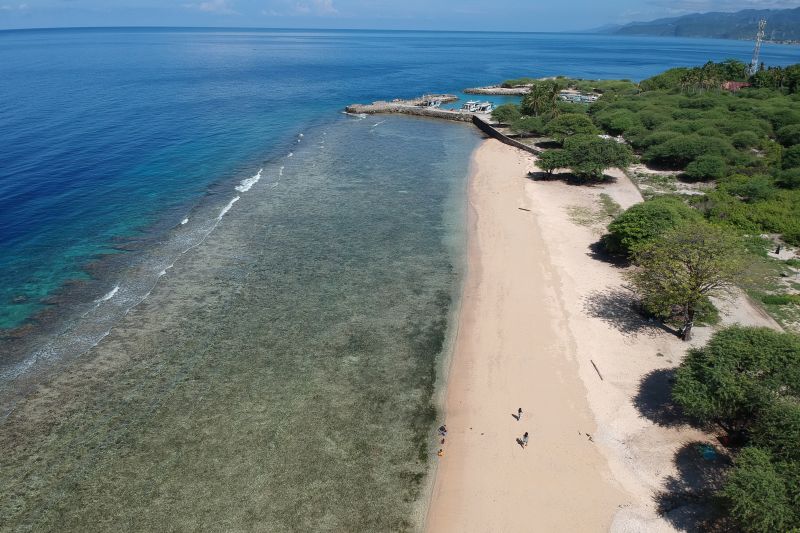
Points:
(440, 453)
(443, 430)
(525, 440)
(519, 414)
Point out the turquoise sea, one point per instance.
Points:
(222, 301)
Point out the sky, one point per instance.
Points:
(495, 15)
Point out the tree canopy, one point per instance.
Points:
(646, 221)
(552, 160)
(569, 124)
(737, 374)
(747, 380)
(541, 100)
(590, 155)
(680, 269)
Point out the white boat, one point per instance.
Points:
(470, 106)
(485, 107)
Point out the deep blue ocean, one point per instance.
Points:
(106, 132)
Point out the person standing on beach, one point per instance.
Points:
(525, 440)
(519, 414)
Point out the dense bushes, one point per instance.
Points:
(789, 135)
(506, 113)
(569, 124)
(748, 142)
(747, 381)
(791, 157)
(590, 155)
(645, 221)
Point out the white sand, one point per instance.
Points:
(537, 309)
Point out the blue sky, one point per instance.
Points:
(506, 15)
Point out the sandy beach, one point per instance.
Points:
(511, 352)
(541, 320)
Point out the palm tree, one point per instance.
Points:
(542, 98)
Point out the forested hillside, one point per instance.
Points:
(782, 25)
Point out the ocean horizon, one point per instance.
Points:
(234, 291)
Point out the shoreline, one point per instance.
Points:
(485, 481)
(591, 365)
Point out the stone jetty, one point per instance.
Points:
(418, 106)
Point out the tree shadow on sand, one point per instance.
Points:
(687, 500)
(654, 400)
(571, 179)
(618, 308)
(598, 252)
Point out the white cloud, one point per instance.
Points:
(303, 8)
(220, 7)
(13, 7)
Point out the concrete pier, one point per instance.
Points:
(416, 107)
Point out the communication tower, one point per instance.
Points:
(762, 24)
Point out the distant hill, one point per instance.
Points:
(782, 25)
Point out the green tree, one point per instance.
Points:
(569, 124)
(791, 157)
(748, 188)
(777, 429)
(756, 494)
(541, 100)
(618, 122)
(528, 125)
(590, 155)
(506, 113)
(678, 271)
(552, 160)
(737, 375)
(645, 221)
(677, 152)
(789, 135)
(745, 139)
(707, 167)
(789, 179)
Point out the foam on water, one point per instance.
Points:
(227, 208)
(110, 294)
(247, 183)
(184, 221)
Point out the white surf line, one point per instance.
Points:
(247, 183)
(378, 124)
(48, 352)
(110, 294)
(227, 208)
(185, 221)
